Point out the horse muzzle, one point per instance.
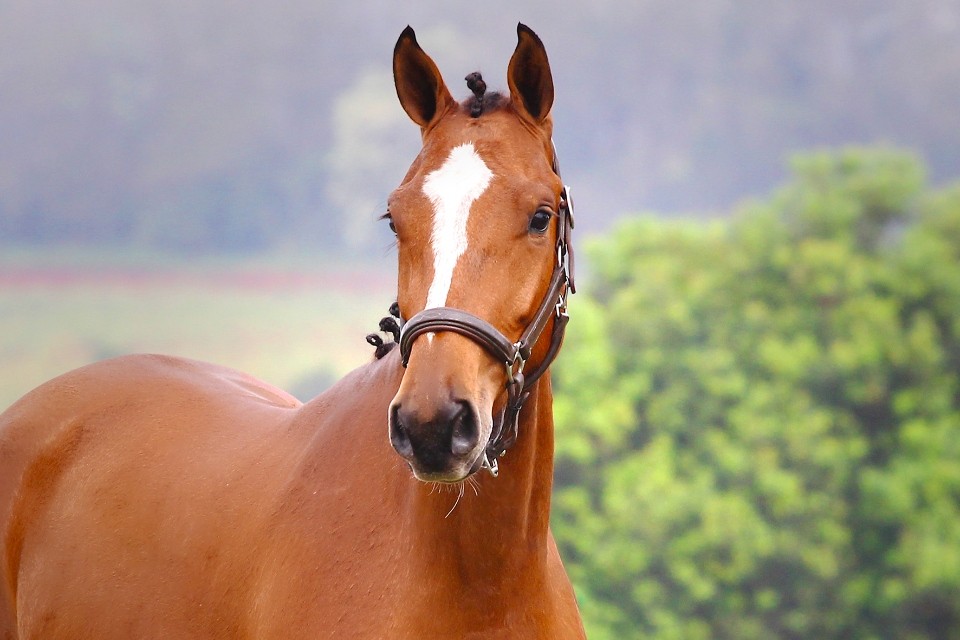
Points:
(442, 441)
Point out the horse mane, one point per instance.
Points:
(481, 102)
(390, 324)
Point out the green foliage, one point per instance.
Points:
(759, 420)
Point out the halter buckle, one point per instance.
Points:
(490, 465)
(515, 367)
(566, 198)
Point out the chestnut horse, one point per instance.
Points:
(157, 497)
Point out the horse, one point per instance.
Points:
(158, 497)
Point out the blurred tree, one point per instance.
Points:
(371, 133)
(759, 421)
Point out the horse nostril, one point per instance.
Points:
(399, 437)
(435, 438)
(465, 433)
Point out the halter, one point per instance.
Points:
(514, 355)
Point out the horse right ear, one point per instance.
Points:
(528, 75)
(421, 89)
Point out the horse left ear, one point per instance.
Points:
(528, 76)
(421, 89)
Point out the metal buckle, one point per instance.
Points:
(561, 308)
(566, 197)
(490, 465)
(563, 259)
(512, 368)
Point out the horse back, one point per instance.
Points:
(129, 465)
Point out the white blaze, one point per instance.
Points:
(452, 190)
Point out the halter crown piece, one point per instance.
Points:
(514, 355)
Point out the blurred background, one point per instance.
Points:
(758, 406)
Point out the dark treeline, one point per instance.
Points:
(210, 125)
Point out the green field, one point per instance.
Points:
(296, 325)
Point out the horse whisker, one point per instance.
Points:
(459, 495)
(474, 484)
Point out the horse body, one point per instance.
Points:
(243, 514)
(156, 497)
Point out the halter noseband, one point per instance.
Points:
(514, 355)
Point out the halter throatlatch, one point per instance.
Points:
(514, 355)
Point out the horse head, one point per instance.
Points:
(481, 220)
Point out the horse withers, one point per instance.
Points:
(157, 497)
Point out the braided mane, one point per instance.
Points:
(481, 102)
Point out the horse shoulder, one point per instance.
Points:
(175, 455)
(336, 553)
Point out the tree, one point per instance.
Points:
(759, 420)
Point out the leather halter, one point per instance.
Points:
(514, 355)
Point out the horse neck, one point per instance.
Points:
(498, 524)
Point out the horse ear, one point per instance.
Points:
(529, 78)
(421, 90)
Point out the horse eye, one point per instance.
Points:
(393, 227)
(540, 221)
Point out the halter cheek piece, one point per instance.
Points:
(514, 355)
